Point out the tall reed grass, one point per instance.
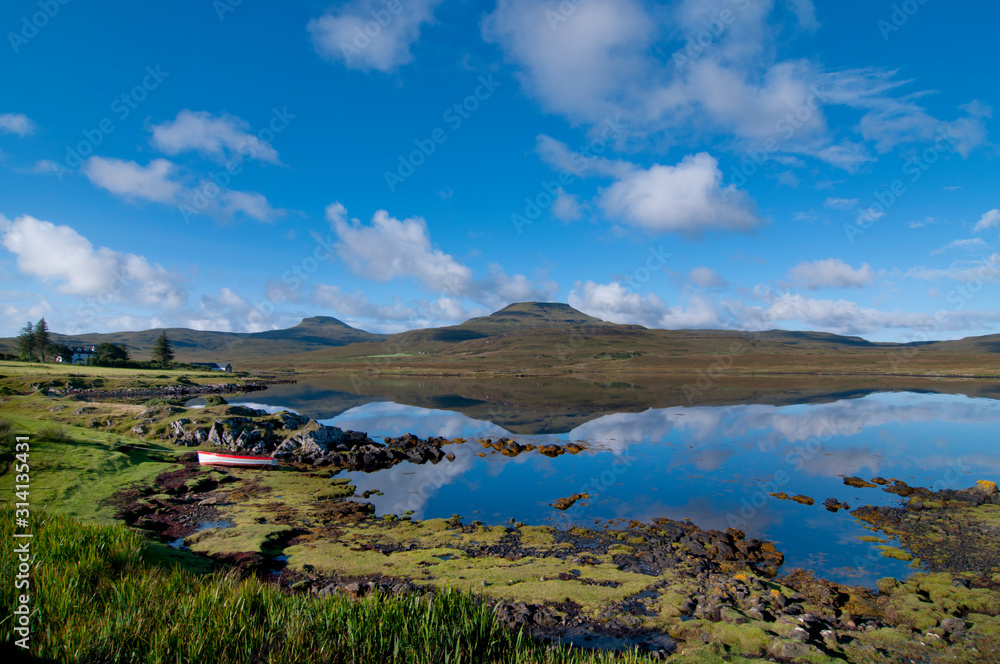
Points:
(97, 597)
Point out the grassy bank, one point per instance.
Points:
(98, 595)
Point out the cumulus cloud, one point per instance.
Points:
(614, 302)
(358, 305)
(667, 74)
(566, 207)
(127, 178)
(161, 181)
(58, 254)
(222, 137)
(579, 65)
(831, 273)
(990, 219)
(367, 34)
(16, 123)
(688, 198)
(840, 316)
(390, 248)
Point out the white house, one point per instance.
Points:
(80, 354)
(215, 366)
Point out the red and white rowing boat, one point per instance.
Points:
(215, 459)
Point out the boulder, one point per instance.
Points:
(319, 442)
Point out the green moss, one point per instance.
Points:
(747, 639)
(893, 552)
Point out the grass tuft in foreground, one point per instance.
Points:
(97, 596)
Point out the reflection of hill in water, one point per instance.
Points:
(549, 406)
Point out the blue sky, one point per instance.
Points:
(406, 163)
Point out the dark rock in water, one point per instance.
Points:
(859, 483)
(566, 503)
(834, 505)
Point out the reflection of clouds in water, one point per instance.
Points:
(263, 406)
(408, 486)
(392, 419)
(781, 430)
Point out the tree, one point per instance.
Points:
(109, 354)
(63, 351)
(163, 352)
(42, 339)
(26, 342)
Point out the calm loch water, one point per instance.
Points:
(714, 465)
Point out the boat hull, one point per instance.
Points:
(214, 459)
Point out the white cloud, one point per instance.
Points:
(46, 166)
(566, 207)
(667, 75)
(127, 178)
(688, 198)
(221, 137)
(966, 244)
(367, 34)
(390, 248)
(805, 12)
(831, 273)
(161, 182)
(358, 305)
(59, 254)
(615, 303)
(16, 123)
(578, 66)
(706, 277)
(990, 219)
(251, 204)
(841, 203)
(842, 316)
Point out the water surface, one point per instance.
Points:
(714, 465)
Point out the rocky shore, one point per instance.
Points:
(667, 587)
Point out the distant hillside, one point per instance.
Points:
(206, 345)
(517, 317)
(541, 339)
(549, 338)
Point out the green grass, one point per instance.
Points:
(73, 469)
(98, 596)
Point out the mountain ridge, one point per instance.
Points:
(519, 322)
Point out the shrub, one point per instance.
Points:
(54, 432)
(215, 400)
